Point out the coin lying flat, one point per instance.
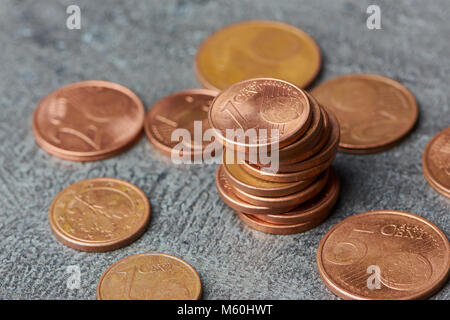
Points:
(436, 162)
(89, 120)
(266, 106)
(99, 214)
(255, 49)
(374, 112)
(150, 276)
(179, 110)
(411, 254)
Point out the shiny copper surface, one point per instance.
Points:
(150, 276)
(436, 162)
(256, 223)
(99, 214)
(413, 256)
(290, 200)
(374, 111)
(317, 208)
(89, 120)
(179, 110)
(261, 103)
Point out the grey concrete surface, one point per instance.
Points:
(149, 46)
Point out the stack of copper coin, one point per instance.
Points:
(300, 194)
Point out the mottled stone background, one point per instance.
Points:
(149, 46)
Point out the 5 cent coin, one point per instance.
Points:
(384, 254)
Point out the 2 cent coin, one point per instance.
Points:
(89, 120)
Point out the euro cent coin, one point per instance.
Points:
(257, 49)
(150, 276)
(374, 112)
(436, 162)
(384, 254)
(99, 214)
(89, 120)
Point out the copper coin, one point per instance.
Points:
(242, 180)
(273, 228)
(99, 214)
(411, 254)
(226, 192)
(324, 155)
(179, 110)
(436, 162)
(299, 175)
(307, 141)
(150, 276)
(317, 208)
(262, 105)
(288, 201)
(374, 111)
(89, 120)
(253, 49)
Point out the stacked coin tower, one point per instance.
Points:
(297, 196)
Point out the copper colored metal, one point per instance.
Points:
(179, 110)
(89, 120)
(257, 104)
(291, 200)
(244, 181)
(299, 175)
(257, 48)
(328, 151)
(273, 228)
(315, 209)
(412, 254)
(436, 162)
(99, 214)
(374, 111)
(311, 138)
(226, 192)
(150, 276)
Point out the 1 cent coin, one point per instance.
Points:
(373, 111)
(89, 120)
(99, 214)
(254, 49)
(384, 254)
(436, 162)
(255, 109)
(179, 110)
(150, 276)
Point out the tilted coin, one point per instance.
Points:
(263, 107)
(99, 214)
(89, 120)
(254, 49)
(256, 223)
(317, 208)
(384, 254)
(290, 200)
(179, 111)
(436, 162)
(150, 276)
(373, 111)
(241, 179)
